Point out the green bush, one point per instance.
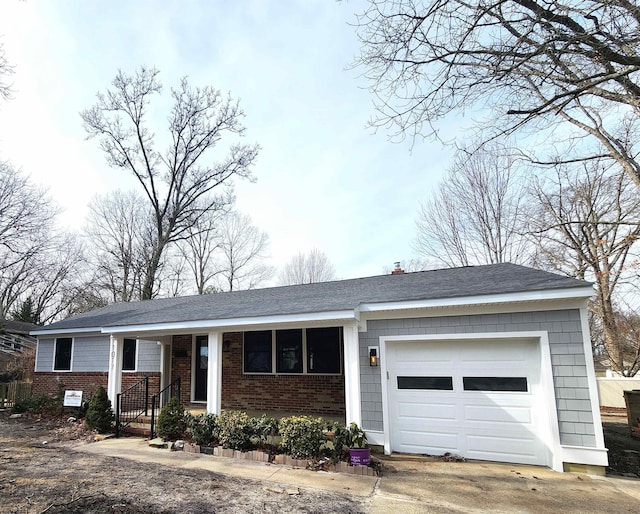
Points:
(99, 414)
(171, 422)
(36, 404)
(357, 437)
(203, 428)
(261, 428)
(337, 447)
(234, 430)
(302, 436)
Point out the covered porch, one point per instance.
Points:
(243, 369)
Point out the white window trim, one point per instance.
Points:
(135, 364)
(55, 347)
(305, 371)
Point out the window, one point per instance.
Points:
(440, 383)
(62, 356)
(323, 350)
(129, 355)
(257, 352)
(289, 351)
(293, 351)
(515, 384)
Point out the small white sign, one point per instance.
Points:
(72, 399)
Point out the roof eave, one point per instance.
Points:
(576, 293)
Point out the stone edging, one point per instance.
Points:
(260, 456)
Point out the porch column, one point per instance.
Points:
(214, 373)
(165, 362)
(352, 375)
(114, 382)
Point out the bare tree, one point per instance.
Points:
(307, 269)
(177, 180)
(5, 69)
(528, 61)
(587, 226)
(199, 250)
(120, 230)
(476, 216)
(226, 252)
(627, 345)
(36, 261)
(243, 248)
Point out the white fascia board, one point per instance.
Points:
(65, 331)
(529, 296)
(347, 315)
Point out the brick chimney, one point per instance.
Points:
(397, 270)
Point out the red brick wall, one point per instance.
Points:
(50, 383)
(306, 394)
(87, 382)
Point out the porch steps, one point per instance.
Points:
(138, 429)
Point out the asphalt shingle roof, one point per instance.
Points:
(325, 296)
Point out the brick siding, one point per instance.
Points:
(87, 382)
(304, 394)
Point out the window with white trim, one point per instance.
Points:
(129, 347)
(62, 354)
(293, 351)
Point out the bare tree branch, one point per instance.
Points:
(177, 180)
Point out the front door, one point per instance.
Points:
(201, 366)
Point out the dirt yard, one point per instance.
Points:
(39, 472)
(624, 450)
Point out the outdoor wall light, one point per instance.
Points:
(373, 356)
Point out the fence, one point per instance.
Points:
(13, 391)
(611, 390)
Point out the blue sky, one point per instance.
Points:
(324, 180)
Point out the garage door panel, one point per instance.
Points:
(430, 442)
(426, 411)
(481, 424)
(493, 414)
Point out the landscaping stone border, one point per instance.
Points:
(287, 460)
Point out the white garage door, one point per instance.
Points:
(474, 398)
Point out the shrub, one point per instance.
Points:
(261, 428)
(99, 414)
(302, 436)
(234, 430)
(338, 447)
(171, 422)
(204, 428)
(35, 404)
(357, 437)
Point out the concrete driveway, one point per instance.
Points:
(472, 487)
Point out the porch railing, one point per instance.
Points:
(131, 404)
(160, 400)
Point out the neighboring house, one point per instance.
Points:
(15, 340)
(488, 362)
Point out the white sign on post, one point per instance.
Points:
(72, 399)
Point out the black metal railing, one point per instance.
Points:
(131, 404)
(160, 400)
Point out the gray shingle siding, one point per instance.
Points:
(567, 357)
(45, 355)
(91, 353)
